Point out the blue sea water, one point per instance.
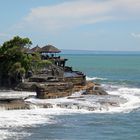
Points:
(119, 74)
(123, 69)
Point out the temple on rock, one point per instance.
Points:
(49, 52)
(55, 79)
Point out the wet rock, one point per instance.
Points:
(95, 90)
(75, 97)
(54, 90)
(80, 79)
(13, 103)
(26, 86)
(43, 78)
(88, 86)
(48, 105)
(40, 105)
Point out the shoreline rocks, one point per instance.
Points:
(54, 90)
(13, 104)
(51, 88)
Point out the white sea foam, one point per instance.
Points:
(94, 78)
(6, 135)
(122, 99)
(125, 99)
(15, 94)
(132, 95)
(13, 120)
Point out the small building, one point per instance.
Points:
(50, 49)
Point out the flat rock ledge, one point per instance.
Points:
(54, 90)
(64, 89)
(90, 88)
(51, 90)
(13, 104)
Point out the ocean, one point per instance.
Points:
(89, 119)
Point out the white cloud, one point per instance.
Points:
(67, 14)
(136, 35)
(79, 12)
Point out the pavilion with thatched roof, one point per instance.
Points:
(34, 50)
(49, 49)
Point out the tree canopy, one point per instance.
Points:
(15, 62)
(13, 59)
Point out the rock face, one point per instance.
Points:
(27, 86)
(51, 90)
(54, 90)
(91, 88)
(95, 89)
(48, 86)
(11, 104)
(78, 80)
(88, 86)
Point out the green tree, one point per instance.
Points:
(13, 58)
(15, 62)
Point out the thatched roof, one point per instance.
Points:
(33, 50)
(49, 49)
(36, 49)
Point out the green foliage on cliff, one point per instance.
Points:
(14, 62)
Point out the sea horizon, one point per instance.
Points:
(100, 52)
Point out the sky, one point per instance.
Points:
(101, 25)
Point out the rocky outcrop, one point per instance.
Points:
(43, 78)
(88, 86)
(79, 79)
(51, 71)
(13, 103)
(57, 89)
(48, 86)
(94, 89)
(26, 86)
(54, 90)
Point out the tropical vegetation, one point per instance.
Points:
(15, 62)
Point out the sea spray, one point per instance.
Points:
(94, 78)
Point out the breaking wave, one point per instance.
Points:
(94, 78)
(120, 100)
(132, 96)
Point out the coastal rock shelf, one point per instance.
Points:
(78, 101)
(75, 101)
(51, 90)
(47, 75)
(54, 90)
(53, 87)
(13, 103)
